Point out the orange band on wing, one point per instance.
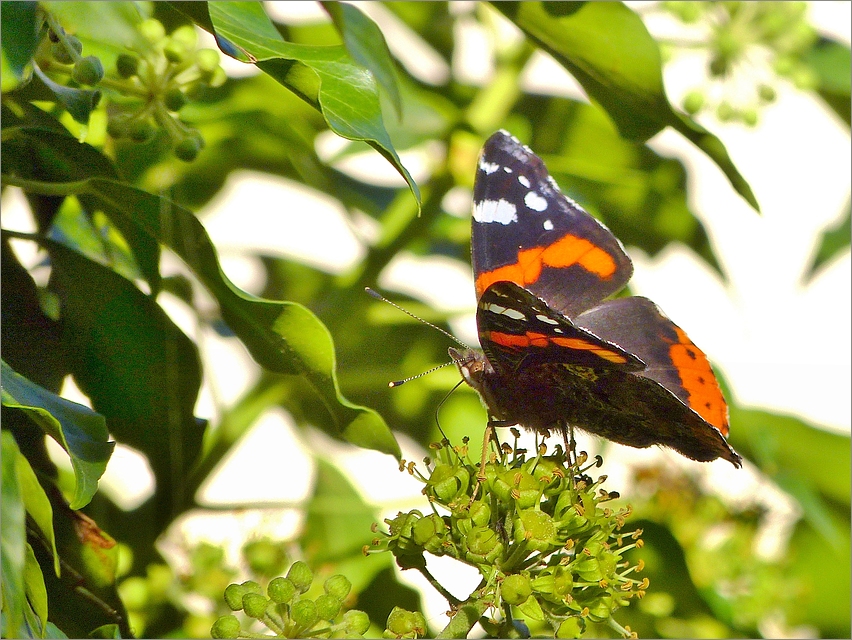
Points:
(696, 376)
(567, 251)
(533, 339)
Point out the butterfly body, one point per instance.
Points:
(556, 353)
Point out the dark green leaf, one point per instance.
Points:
(835, 240)
(13, 540)
(141, 372)
(20, 33)
(366, 44)
(607, 48)
(80, 431)
(34, 586)
(36, 504)
(325, 77)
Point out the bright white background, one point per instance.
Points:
(783, 345)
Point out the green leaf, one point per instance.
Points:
(34, 585)
(140, 371)
(832, 63)
(607, 48)
(325, 77)
(782, 444)
(19, 26)
(366, 44)
(338, 520)
(36, 503)
(13, 541)
(835, 240)
(77, 429)
(284, 337)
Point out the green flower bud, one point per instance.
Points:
(601, 608)
(185, 36)
(483, 545)
(516, 588)
(88, 71)
(448, 482)
(264, 556)
(693, 101)
(174, 51)
(188, 148)
(337, 586)
(766, 93)
(141, 130)
(226, 627)
(174, 99)
(301, 576)
(60, 52)
(406, 624)
(127, 65)
(281, 590)
(304, 613)
(207, 60)
(152, 30)
(537, 528)
(327, 607)
(254, 604)
(356, 622)
(234, 594)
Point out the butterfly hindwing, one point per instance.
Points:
(518, 330)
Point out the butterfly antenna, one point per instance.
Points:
(396, 383)
(379, 296)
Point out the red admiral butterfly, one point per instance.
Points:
(554, 353)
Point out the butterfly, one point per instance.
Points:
(556, 353)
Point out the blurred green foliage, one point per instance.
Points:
(160, 145)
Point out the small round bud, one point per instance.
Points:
(152, 30)
(356, 622)
(127, 65)
(255, 605)
(88, 71)
(301, 576)
(327, 607)
(406, 624)
(304, 613)
(516, 588)
(60, 51)
(207, 60)
(281, 590)
(174, 52)
(693, 101)
(174, 99)
(226, 627)
(337, 586)
(140, 130)
(234, 596)
(767, 93)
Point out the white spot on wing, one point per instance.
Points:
(507, 169)
(548, 225)
(488, 167)
(500, 211)
(523, 180)
(542, 318)
(535, 201)
(513, 313)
